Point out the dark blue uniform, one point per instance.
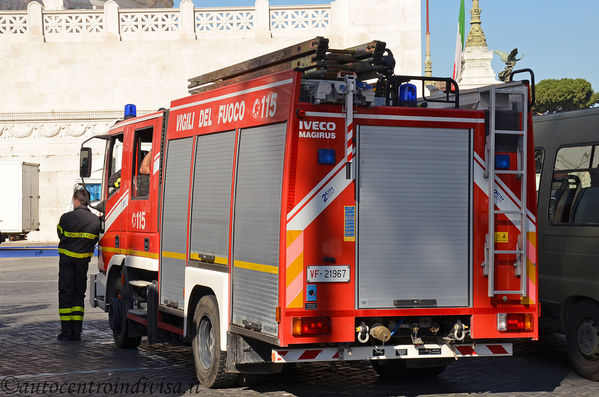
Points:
(78, 232)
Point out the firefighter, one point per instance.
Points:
(78, 232)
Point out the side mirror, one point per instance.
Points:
(85, 162)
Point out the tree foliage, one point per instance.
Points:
(564, 94)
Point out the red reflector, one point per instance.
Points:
(465, 350)
(497, 349)
(309, 355)
(306, 326)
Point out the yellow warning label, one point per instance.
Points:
(501, 237)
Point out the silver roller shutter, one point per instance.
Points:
(174, 221)
(211, 201)
(413, 217)
(257, 227)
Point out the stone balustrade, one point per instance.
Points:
(262, 20)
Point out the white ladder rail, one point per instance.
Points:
(491, 173)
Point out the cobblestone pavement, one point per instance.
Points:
(32, 362)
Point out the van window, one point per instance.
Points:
(539, 159)
(575, 187)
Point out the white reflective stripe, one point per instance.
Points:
(355, 353)
(503, 188)
(136, 120)
(139, 262)
(399, 118)
(156, 165)
(418, 118)
(115, 206)
(325, 196)
(502, 199)
(117, 210)
(325, 114)
(234, 94)
(315, 189)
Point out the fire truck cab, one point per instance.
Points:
(307, 206)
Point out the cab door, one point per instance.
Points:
(141, 221)
(115, 194)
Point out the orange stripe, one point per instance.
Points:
(295, 269)
(292, 235)
(297, 303)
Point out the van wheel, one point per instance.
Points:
(398, 369)
(582, 338)
(210, 361)
(117, 317)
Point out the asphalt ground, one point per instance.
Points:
(33, 362)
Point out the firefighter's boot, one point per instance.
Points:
(67, 331)
(77, 329)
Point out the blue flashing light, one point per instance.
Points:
(130, 111)
(502, 161)
(407, 95)
(326, 156)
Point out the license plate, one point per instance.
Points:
(328, 274)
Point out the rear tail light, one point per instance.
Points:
(515, 322)
(309, 326)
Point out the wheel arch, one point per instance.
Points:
(567, 305)
(115, 267)
(202, 282)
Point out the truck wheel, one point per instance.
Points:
(210, 361)
(582, 338)
(117, 317)
(398, 369)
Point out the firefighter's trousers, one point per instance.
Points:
(72, 283)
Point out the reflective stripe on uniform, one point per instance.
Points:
(74, 313)
(76, 234)
(75, 254)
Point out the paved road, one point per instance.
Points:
(32, 362)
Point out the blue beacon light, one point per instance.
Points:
(326, 156)
(407, 95)
(130, 111)
(502, 161)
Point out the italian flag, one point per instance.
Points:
(459, 43)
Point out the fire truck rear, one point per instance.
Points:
(307, 206)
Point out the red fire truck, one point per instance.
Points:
(307, 206)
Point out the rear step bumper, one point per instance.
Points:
(356, 353)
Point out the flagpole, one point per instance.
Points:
(428, 64)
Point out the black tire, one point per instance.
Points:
(117, 317)
(210, 361)
(582, 338)
(398, 369)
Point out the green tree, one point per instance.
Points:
(564, 94)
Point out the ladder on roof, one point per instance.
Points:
(493, 175)
(313, 57)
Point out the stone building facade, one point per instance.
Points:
(66, 74)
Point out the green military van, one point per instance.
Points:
(567, 171)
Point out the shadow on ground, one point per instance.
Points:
(31, 354)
